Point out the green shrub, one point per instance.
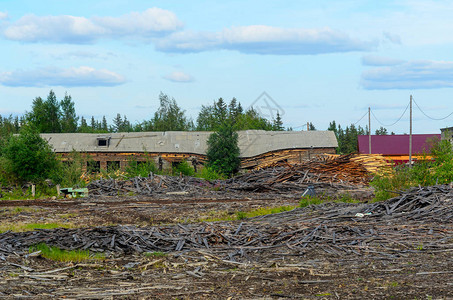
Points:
(209, 174)
(140, 168)
(27, 157)
(183, 168)
(423, 172)
(69, 172)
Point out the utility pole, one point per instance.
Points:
(308, 127)
(369, 129)
(410, 133)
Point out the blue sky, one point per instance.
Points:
(318, 60)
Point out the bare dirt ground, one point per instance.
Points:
(404, 264)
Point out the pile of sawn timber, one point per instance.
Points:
(419, 216)
(333, 173)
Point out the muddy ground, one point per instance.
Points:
(409, 272)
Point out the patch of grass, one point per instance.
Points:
(262, 211)
(155, 254)
(306, 201)
(323, 294)
(20, 227)
(316, 200)
(9, 211)
(216, 216)
(58, 254)
(66, 216)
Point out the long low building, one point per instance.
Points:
(257, 147)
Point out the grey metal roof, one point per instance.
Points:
(251, 142)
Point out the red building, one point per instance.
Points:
(395, 148)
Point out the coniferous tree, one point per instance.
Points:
(381, 131)
(278, 123)
(223, 150)
(69, 118)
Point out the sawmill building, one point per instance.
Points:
(257, 147)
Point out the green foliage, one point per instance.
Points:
(424, 172)
(27, 157)
(46, 115)
(21, 227)
(262, 211)
(58, 254)
(240, 215)
(168, 117)
(278, 123)
(381, 131)
(443, 165)
(68, 115)
(309, 200)
(155, 254)
(212, 117)
(387, 186)
(347, 138)
(223, 150)
(183, 168)
(140, 168)
(209, 173)
(69, 172)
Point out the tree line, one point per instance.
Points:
(51, 115)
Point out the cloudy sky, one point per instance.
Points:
(316, 61)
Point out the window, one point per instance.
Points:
(112, 166)
(103, 141)
(94, 166)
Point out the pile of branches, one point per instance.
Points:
(154, 184)
(336, 228)
(324, 174)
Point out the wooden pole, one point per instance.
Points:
(410, 133)
(33, 190)
(369, 129)
(308, 127)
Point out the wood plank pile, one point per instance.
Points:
(424, 216)
(324, 173)
(267, 159)
(341, 170)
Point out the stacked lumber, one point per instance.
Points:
(374, 163)
(266, 160)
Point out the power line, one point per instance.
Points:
(435, 119)
(361, 118)
(399, 119)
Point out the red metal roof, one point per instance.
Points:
(396, 144)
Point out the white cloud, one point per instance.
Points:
(261, 39)
(71, 77)
(373, 60)
(145, 24)
(423, 74)
(3, 15)
(82, 55)
(394, 38)
(79, 30)
(179, 76)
